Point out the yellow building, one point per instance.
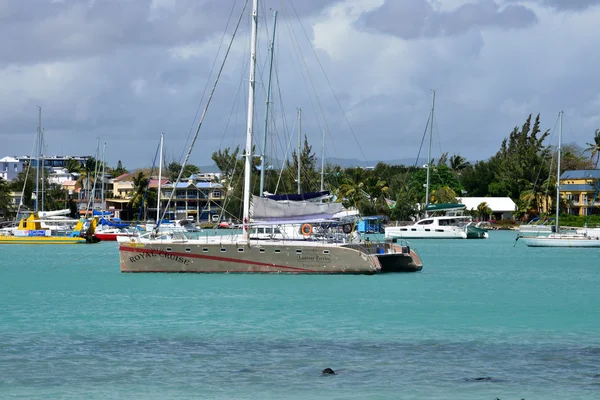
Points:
(578, 189)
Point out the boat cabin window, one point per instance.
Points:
(205, 250)
(325, 251)
(298, 251)
(261, 250)
(425, 222)
(187, 250)
(241, 249)
(223, 250)
(277, 251)
(169, 249)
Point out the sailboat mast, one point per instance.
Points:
(299, 147)
(37, 164)
(42, 169)
(103, 204)
(160, 162)
(560, 119)
(323, 160)
(248, 153)
(264, 146)
(429, 152)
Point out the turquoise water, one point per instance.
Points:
(524, 321)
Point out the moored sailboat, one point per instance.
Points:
(565, 238)
(164, 252)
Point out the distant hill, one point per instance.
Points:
(342, 162)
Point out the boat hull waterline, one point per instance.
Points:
(551, 241)
(154, 256)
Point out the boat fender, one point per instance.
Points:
(306, 229)
(347, 228)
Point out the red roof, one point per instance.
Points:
(154, 183)
(123, 177)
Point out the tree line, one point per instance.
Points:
(523, 169)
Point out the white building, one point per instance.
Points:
(59, 175)
(10, 168)
(502, 207)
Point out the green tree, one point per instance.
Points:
(458, 163)
(484, 211)
(119, 170)
(26, 184)
(521, 160)
(594, 148)
(73, 166)
(443, 194)
(5, 199)
(309, 180)
(174, 168)
(138, 198)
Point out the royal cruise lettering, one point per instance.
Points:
(159, 253)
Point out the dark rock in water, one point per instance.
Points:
(482, 379)
(328, 371)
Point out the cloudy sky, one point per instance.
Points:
(362, 71)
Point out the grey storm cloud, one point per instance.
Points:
(127, 70)
(410, 19)
(44, 30)
(568, 5)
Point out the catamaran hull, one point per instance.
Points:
(410, 232)
(241, 258)
(561, 242)
(400, 262)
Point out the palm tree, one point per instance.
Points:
(140, 184)
(484, 210)
(594, 148)
(458, 163)
(443, 195)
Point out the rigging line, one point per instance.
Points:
(211, 72)
(187, 157)
(551, 161)
(235, 103)
(142, 208)
(285, 158)
(25, 181)
(330, 87)
(306, 71)
(92, 198)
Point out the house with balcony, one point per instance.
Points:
(579, 189)
(199, 200)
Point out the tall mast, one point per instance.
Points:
(37, 163)
(42, 169)
(560, 114)
(264, 146)
(429, 152)
(103, 205)
(299, 147)
(323, 160)
(248, 152)
(160, 161)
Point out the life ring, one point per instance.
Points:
(347, 228)
(306, 229)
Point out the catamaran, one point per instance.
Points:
(167, 252)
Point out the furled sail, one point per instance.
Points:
(265, 209)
